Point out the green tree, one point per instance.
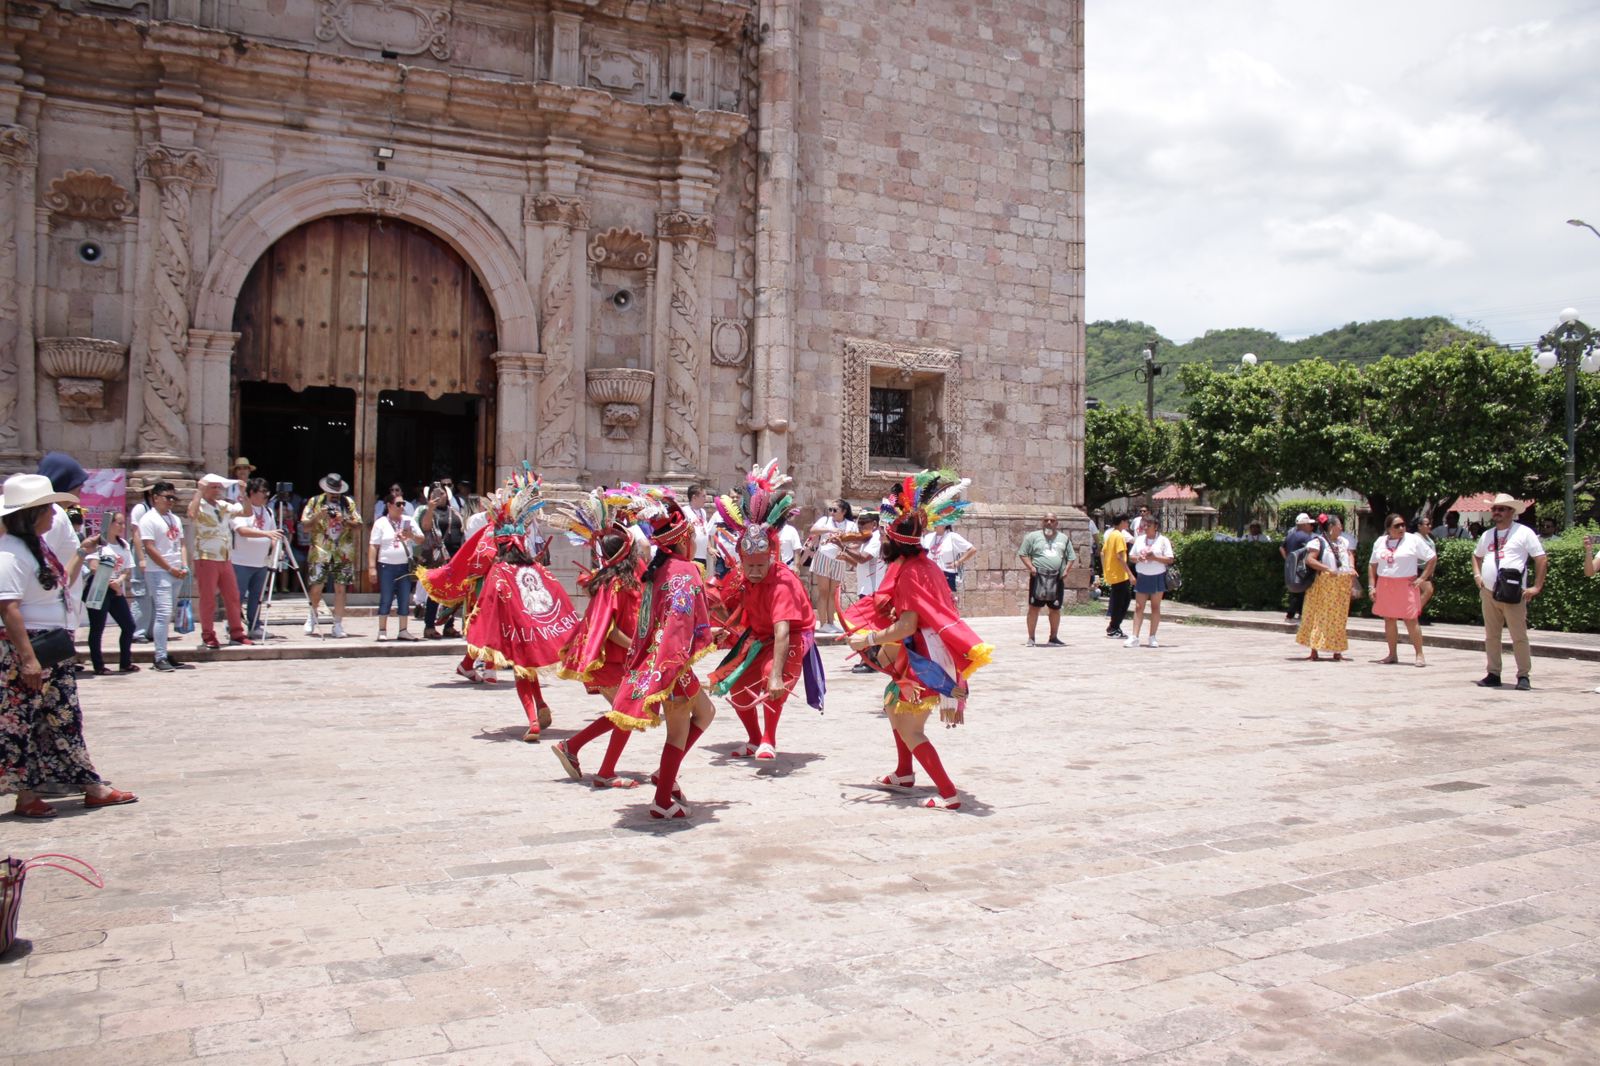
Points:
(1125, 455)
(1233, 438)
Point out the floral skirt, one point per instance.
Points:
(41, 733)
(1326, 610)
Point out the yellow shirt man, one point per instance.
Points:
(1114, 558)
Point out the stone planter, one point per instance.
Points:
(81, 367)
(621, 393)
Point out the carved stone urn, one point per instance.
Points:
(621, 393)
(81, 367)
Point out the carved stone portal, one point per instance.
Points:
(81, 367)
(621, 393)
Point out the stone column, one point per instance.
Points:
(210, 358)
(516, 422)
(683, 436)
(778, 141)
(562, 428)
(16, 401)
(160, 376)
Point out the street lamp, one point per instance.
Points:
(1585, 225)
(1248, 359)
(1569, 345)
(1148, 374)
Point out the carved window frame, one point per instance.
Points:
(869, 362)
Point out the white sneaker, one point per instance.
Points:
(1131, 642)
(1153, 643)
(381, 635)
(311, 623)
(338, 630)
(766, 751)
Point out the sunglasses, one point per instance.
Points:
(1397, 525)
(167, 496)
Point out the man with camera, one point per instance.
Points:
(443, 528)
(1500, 565)
(334, 524)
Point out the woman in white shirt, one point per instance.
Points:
(1326, 614)
(389, 564)
(41, 723)
(1150, 553)
(826, 565)
(255, 534)
(117, 554)
(1399, 568)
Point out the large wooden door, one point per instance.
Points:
(368, 304)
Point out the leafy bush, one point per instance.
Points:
(1287, 509)
(1243, 576)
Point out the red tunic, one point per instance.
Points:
(780, 597)
(674, 631)
(458, 580)
(591, 656)
(915, 583)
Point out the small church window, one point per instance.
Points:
(890, 413)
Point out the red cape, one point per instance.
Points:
(591, 656)
(674, 632)
(457, 581)
(915, 583)
(522, 619)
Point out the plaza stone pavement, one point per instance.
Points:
(1198, 854)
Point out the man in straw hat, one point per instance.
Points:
(335, 527)
(1500, 566)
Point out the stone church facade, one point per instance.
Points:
(620, 239)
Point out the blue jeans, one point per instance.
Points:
(252, 584)
(394, 587)
(139, 600)
(161, 585)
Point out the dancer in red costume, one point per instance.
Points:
(522, 616)
(674, 631)
(909, 629)
(597, 652)
(777, 643)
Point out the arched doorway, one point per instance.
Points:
(365, 347)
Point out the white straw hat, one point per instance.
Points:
(31, 490)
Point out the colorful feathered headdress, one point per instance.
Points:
(759, 510)
(590, 517)
(511, 508)
(929, 498)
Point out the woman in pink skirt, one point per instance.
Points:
(1401, 566)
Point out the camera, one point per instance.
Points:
(285, 488)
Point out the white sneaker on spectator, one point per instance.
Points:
(1131, 642)
(1153, 643)
(311, 623)
(338, 631)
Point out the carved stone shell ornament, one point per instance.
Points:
(622, 248)
(87, 195)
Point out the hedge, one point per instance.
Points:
(1249, 576)
(1312, 506)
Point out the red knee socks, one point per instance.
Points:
(671, 760)
(466, 662)
(747, 716)
(588, 733)
(769, 735)
(619, 740)
(528, 693)
(930, 762)
(903, 767)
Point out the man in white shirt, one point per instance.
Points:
(1506, 548)
(950, 550)
(868, 559)
(166, 565)
(700, 519)
(789, 544)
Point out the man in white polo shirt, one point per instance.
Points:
(1500, 565)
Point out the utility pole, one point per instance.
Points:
(1148, 374)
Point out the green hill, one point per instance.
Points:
(1116, 351)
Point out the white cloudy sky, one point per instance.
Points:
(1294, 167)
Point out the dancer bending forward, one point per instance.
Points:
(674, 631)
(909, 629)
(777, 644)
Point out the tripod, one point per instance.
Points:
(279, 561)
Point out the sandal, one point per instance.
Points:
(545, 717)
(531, 736)
(896, 781)
(613, 782)
(568, 761)
(942, 803)
(131, 668)
(470, 675)
(766, 751)
(34, 808)
(743, 751)
(1420, 661)
(677, 789)
(113, 798)
(670, 812)
(1387, 660)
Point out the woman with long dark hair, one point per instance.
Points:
(41, 723)
(115, 552)
(909, 629)
(1326, 614)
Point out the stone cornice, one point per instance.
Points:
(116, 62)
(701, 18)
(567, 211)
(682, 226)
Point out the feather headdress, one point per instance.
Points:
(761, 508)
(929, 498)
(589, 517)
(511, 508)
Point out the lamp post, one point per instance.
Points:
(1247, 359)
(1148, 374)
(1568, 345)
(1585, 225)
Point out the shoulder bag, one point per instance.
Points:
(1507, 583)
(13, 872)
